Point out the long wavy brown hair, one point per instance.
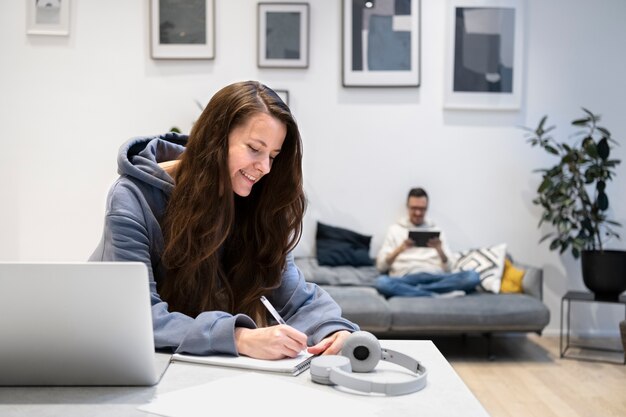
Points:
(222, 251)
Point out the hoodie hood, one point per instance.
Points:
(139, 158)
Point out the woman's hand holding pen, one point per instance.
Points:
(330, 345)
(274, 342)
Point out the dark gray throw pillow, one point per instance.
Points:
(337, 246)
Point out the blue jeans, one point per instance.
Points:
(425, 284)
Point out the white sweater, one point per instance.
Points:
(414, 259)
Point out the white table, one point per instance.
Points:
(444, 395)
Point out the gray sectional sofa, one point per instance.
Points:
(402, 317)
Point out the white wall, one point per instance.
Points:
(68, 103)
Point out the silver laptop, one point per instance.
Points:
(83, 323)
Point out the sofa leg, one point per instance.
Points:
(490, 355)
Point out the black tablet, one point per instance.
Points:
(421, 238)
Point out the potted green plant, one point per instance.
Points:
(573, 196)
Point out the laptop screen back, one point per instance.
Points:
(84, 323)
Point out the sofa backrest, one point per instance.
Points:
(532, 283)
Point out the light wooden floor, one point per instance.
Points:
(528, 378)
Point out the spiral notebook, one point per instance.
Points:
(290, 366)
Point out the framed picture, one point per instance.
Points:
(284, 95)
(182, 29)
(381, 43)
(484, 54)
(283, 40)
(48, 17)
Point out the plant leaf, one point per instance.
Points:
(591, 115)
(612, 162)
(542, 122)
(551, 149)
(545, 184)
(590, 147)
(603, 201)
(603, 148)
(545, 237)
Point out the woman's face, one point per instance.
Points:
(252, 148)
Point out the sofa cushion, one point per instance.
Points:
(363, 306)
(336, 275)
(336, 246)
(488, 262)
(479, 312)
(511, 278)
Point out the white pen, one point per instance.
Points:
(272, 310)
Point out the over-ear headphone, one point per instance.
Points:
(361, 353)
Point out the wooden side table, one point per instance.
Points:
(581, 296)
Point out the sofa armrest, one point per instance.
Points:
(533, 281)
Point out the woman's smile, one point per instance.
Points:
(248, 176)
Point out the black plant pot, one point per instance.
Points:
(604, 273)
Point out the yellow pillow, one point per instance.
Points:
(511, 278)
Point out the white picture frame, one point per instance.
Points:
(283, 35)
(381, 43)
(182, 29)
(484, 52)
(48, 17)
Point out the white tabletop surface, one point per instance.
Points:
(444, 395)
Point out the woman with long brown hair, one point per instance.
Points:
(215, 217)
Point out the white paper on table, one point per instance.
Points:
(256, 395)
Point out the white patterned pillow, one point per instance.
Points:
(488, 262)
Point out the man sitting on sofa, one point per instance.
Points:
(411, 270)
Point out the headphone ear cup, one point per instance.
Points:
(322, 367)
(363, 350)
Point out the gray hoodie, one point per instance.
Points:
(132, 232)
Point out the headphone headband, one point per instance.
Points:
(402, 360)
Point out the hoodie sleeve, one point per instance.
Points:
(307, 307)
(126, 238)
